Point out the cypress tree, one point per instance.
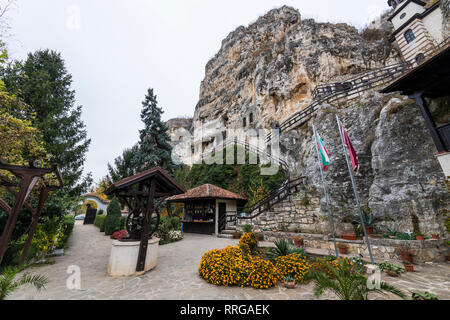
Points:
(112, 220)
(154, 145)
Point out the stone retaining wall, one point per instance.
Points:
(298, 213)
(423, 251)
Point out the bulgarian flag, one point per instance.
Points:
(324, 156)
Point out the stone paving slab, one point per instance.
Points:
(176, 275)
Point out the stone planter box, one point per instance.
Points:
(124, 255)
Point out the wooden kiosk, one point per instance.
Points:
(206, 208)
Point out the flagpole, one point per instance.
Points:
(363, 225)
(325, 192)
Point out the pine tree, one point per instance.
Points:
(154, 147)
(44, 84)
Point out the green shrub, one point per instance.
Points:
(169, 230)
(99, 222)
(123, 223)
(112, 220)
(247, 228)
(68, 223)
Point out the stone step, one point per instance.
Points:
(228, 231)
(225, 236)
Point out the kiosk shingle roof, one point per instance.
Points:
(207, 191)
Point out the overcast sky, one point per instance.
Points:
(119, 48)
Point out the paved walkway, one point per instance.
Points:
(176, 276)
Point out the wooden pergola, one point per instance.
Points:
(29, 178)
(140, 192)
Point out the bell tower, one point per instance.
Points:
(394, 3)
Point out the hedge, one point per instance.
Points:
(99, 222)
(68, 224)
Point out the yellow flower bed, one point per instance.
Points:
(228, 267)
(263, 274)
(249, 239)
(294, 265)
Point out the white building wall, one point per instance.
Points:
(422, 43)
(433, 23)
(100, 205)
(410, 10)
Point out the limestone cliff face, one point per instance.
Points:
(270, 67)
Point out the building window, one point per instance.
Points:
(244, 123)
(409, 36)
(251, 118)
(420, 57)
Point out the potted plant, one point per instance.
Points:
(343, 248)
(408, 266)
(369, 220)
(390, 234)
(259, 236)
(423, 296)
(289, 282)
(298, 241)
(420, 236)
(435, 236)
(349, 236)
(237, 235)
(391, 269)
(406, 254)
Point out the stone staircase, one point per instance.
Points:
(227, 233)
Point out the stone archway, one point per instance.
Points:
(101, 203)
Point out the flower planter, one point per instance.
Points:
(420, 238)
(407, 257)
(435, 236)
(409, 267)
(392, 274)
(289, 285)
(260, 237)
(343, 250)
(369, 230)
(298, 243)
(349, 236)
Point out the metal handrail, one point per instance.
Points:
(389, 73)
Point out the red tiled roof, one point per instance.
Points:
(207, 191)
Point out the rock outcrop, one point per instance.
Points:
(265, 72)
(269, 68)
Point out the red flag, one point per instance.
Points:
(353, 155)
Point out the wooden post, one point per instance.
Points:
(140, 267)
(431, 125)
(36, 215)
(14, 214)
